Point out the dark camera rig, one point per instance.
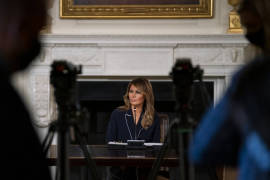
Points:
(184, 75)
(180, 130)
(63, 78)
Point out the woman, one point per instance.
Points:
(136, 120)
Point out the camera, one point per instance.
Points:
(63, 78)
(183, 75)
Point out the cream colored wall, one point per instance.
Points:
(216, 25)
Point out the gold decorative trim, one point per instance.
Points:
(235, 25)
(202, 10)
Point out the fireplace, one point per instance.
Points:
(102, 97)
(108, 56)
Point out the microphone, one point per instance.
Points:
(135, 135)
(134, 114)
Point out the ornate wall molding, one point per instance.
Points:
(133, 55)
(41, 98)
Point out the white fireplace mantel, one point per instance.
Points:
(131, 55)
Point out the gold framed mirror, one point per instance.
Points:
(135, 9)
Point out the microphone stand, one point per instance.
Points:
(135, 135)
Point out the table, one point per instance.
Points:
(104, 156)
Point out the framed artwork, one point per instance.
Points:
(136, 9)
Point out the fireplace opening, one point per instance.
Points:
(102, 97)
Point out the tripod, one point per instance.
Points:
(63, 78)
(180, 131)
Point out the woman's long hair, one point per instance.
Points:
(149, 111)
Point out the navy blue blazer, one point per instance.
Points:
(122, 128)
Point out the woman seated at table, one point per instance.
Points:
(135, 120)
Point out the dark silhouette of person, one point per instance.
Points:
(20, 24)
(235, 131)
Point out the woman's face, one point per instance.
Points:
(135, 96)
